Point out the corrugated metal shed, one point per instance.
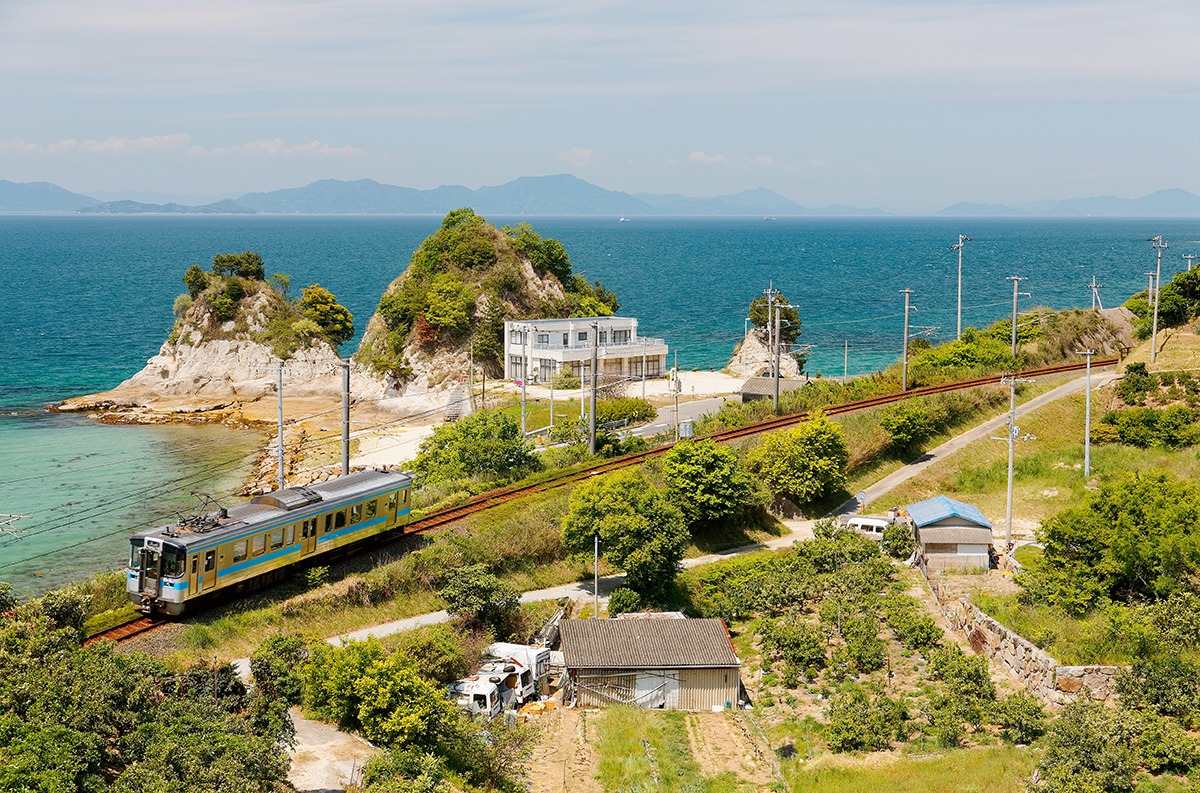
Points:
(939, 508)
(646, 644)
(764, 387)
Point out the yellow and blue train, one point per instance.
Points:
(242, 547)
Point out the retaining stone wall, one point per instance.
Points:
(1050, 681)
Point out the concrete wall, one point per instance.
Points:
(1044, 676)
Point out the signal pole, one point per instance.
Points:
(904, 348)
(1014, 435)
(1087, 415)
(1159, 244)
(1095, 287)
(1190, 257)
(962, 240)
(1016, 279)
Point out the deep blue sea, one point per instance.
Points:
(86, 300)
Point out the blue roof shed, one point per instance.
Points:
(940, 508)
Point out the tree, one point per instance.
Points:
(276, 665)
(247, 264)
(483, 444)
(803, 463)
(897, 541)
(476, 595)
(789, 328)
(1020, 716)
(398, 707)
(640, 531)
(318, 304)
(860, 721)
(281, 283)
(449, 303)
(706, 480)
(907, 423)
(195, 280)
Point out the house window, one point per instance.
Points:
(654, 367)
(516, 363)
(620, 337)
(582, 335)
(516, 337)
(566, 339)
(543, 338)
(603, 337)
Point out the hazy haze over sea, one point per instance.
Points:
(88, 299)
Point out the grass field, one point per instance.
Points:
(1002, 769)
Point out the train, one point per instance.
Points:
(239, 548)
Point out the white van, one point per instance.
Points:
(868, 525)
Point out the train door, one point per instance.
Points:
(194, 575)
(308, 536)
(208, 572)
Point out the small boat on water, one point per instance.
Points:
(623, 219)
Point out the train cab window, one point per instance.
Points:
(135, 553)
(329, 523)
(277, 538)
(239, 551)
(355, 514)
(195, 564)
(173, 561)
(150, 563)
(372, 508)
(339, 521)
(210, 561)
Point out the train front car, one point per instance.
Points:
(155, 578)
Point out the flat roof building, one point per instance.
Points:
(542, 348)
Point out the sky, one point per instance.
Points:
(906, 105)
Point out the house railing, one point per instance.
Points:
(632, 345)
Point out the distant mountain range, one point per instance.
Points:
(561, 194)
(1163, 203)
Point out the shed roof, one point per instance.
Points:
(963, 535)
(765, 386)
(646, 644)
(938, 508)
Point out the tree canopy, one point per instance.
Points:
(789, 329)
(318, 304)
(706, 479)
(247, 264)
(640, 531)
(803, 463)
(482, 444)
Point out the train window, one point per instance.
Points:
(195, 563)
(173, 560)
(340, 520)
(372, 508)
(291, 534)
(210, 561)
(405, 496)
(135, 553)
(260, 544)
(277, 538)
(328, 523)
(150, 568)
(355, 514)
(239, 551)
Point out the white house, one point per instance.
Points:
(541, 348)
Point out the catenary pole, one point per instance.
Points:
(345, 417)
(778, 337)
(845, 362)
(1190, 258)
(962, 240)
(1016, 279)
(279, 389)
(904, 346)
(1087, 415)
(643, 367)
(1159, 244)
(595, 378)
(596, 577)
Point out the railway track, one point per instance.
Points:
(126, 631)
(499, 496)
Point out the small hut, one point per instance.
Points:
(950, 535)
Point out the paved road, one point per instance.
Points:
(985, 430)
(665, 421)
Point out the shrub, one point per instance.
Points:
(235, 290)
(483, 444)
(897, 541)
(223, 308)
(863, 647)
(477, 596)
(798, 644)
(803, 463)
(912, 627)
(629, 409)
(182, 304)
(334, 319)
(449, 303)
(906, 423)
(966, 676)
(624, 600)
(276, 665)
(565, 381)
(1136, 384)
(706, 480)
(247, 264)
(1021, 717)
(437, 651)
(859, 721)
(330, 677)
(398, 707)
(195, 280)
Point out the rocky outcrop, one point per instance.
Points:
(752, 357)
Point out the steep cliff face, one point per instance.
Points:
(227, 339)
(448, 308)
(753, 357)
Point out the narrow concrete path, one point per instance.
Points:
(955, 444)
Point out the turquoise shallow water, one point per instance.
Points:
(86, 300)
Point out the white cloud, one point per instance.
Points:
(113, 145)
(577, 156)
(763, 161)
(278, 147)
(706, 159)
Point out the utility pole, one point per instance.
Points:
(644, 366)
(471, 374)
(1016, 279)
(904, 347)
(771, 293)
(525, 354)
(345, 417)
(846, 362)
(1189, 258)
(1087, 416)
(278, 390)
(592, 416)
(1095, 287)
(1014, 434)
(778, 345)
(962, 240)
(596, 573)
(678, 387)
(1159, 245)
(745, 335)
